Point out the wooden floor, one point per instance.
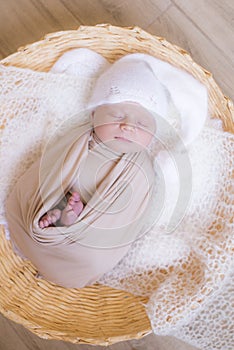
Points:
(202, 27)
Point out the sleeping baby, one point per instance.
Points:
(124, 127)
(77, 209)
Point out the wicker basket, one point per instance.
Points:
(97, 314)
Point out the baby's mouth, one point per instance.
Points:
(122, 139)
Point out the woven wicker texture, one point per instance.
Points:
(97, 314)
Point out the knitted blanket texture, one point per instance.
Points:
(186, 273)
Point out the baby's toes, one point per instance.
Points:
(48, 220)
(53, 219)
(75, 197)
(54, 215)
(43, 223)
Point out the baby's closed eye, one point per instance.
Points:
(119, 117)
(144, 125)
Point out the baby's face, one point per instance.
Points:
(124, 127)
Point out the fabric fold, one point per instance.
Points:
(110, 221)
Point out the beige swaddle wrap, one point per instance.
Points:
(112, 218)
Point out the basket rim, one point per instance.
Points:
(137, 35)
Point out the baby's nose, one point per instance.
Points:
(127, 127)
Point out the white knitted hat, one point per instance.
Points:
(158, 86)
(140, 82)
(131, 81)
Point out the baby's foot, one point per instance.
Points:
(51, 217)
(72, 210)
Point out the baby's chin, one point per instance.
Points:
(122, 146)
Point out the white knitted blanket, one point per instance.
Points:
(187, 274)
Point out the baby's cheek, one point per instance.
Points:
(100, 132)
(103, 132)
(146, 138)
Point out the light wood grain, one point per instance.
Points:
(214, 20)
(177, 26)
(203, 27)
(26, 21)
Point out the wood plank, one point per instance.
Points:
(214, 19)
(26, 21)
(154, 342)
(122, 13)
(178, 29)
